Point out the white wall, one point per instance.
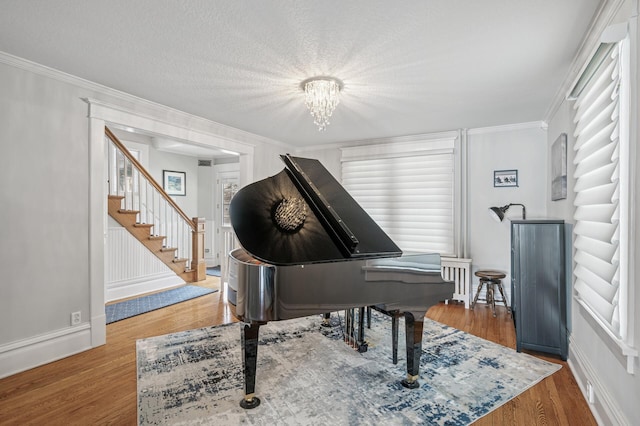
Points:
(267, 160)
(206, 185)
(523, 148)
(130, 268)
(329, 157)
(159, 161)
(206, 189)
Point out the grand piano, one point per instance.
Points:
(309, 248)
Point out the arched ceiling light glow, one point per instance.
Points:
(322, 95)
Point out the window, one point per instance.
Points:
(408, 188)
(602, 163)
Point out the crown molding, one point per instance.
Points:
(508, 128)
(602, 18)
(452, 134)
(151, 108)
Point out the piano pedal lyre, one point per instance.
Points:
(354, 329)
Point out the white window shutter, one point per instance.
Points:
(597, 193)
(411, 197)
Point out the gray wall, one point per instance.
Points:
(44, 212)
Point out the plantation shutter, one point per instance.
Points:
(411, 197)
(597, 173)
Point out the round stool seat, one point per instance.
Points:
(491, 278)
(492, 275)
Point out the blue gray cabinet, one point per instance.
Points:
(538, 285)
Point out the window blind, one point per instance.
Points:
(597, 201)
(411, 197)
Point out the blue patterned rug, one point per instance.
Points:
(307, 377)
(130, 308)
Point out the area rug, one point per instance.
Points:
(309, 376)
(140, 305)
(214, 271)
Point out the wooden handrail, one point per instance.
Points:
(148, 176)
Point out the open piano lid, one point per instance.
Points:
(303, 215)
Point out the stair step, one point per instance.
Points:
(116, 197)
(157, 237)
(166, 249)
(179, 260)
(133, 212)
(143, 225)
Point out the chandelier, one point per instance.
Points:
(321, 97)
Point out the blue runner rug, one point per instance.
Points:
(214, 271)
(144, 304)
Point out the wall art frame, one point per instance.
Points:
(505, 178)
(174, 183)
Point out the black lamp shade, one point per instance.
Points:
(496, 213)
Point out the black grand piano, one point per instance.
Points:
(309, 248)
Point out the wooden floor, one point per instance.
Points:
(98, 386)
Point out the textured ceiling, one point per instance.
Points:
(408, 67)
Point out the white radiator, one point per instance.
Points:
(458, 271)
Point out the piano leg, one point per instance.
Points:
(414, 349)
(362, 345)
(249, 363)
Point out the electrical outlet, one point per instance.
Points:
(76, 318)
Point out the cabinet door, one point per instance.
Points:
(538, 285)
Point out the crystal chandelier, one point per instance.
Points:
(321, 97)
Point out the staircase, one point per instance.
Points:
(138, 203)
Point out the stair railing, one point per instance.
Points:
(142, 193)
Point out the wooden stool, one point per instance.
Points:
(491, 279)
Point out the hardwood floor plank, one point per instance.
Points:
(98, 387)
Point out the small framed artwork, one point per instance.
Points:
(559, 168)
(174, 183)
(502, 178)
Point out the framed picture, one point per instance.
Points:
(174, 183)
(559, 168)
(502, 178)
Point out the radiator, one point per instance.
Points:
(458, 271)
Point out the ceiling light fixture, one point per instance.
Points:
(321, 97)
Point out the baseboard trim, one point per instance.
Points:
(29, 353)
(603, 407)
(125, 289)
